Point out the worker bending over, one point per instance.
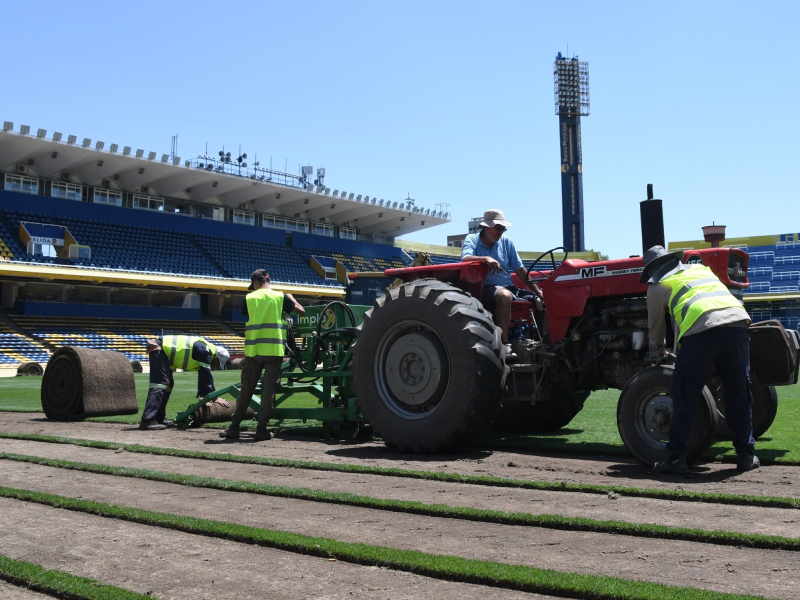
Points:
(188, 353)
(711, 330)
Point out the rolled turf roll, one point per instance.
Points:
(80, 382)
(29, 368)
(216, 413)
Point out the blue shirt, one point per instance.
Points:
(503, 252)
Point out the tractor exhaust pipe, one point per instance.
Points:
(652, 217)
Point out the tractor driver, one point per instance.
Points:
(711, 328)
(490, 246)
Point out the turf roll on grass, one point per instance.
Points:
(80, 382)
(211, 412)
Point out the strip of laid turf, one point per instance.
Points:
(60, 584)
(560, 486)
(717, 537)
(450, 568)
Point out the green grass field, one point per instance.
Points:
(593, 431)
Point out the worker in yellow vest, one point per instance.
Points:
(264, 339)
(710, 326)
(188, 353)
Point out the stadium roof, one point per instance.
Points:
(224, 184)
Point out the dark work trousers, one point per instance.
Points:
(251, 372)
(161, 384)
(727, 349)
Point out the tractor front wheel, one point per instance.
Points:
(428, 367)
(644, 414)
(764, 407)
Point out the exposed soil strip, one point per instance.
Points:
(548, 520)
(171, 564)
(677, 495)
(770, 572)
(774, 481)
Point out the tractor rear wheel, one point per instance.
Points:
(765, 407)
(552, 414)
(428, 367)
(644, 414)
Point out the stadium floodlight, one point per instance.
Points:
(87, 142)
(8, 126)
(139, 153)
(41, 133)
(164, 158)
(151, 156)
(113, 149)
(571, 87)
(24, 129)
(126, 150)
(100, 145)
(57, 136)
(72, 139)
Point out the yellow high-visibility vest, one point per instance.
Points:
(178, 349)
(696, 291)
(265, 332)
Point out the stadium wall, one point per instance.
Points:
(59, 207)
(106, 311)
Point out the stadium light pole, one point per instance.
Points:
(571, 87)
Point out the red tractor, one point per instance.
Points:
(431, 373)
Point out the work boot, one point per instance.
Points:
(747, 462)
(673, 464)
(262, 434)
(231, 432)
(151, 426)
(511, 356)
(168, 422)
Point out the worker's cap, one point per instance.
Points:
(658, 262)
(494, 217)
(223, 355)
(259, 275)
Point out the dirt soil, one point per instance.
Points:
(176, 565)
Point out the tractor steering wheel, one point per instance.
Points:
(552, 260)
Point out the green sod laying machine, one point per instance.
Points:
(319, 355)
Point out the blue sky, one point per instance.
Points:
(448, 101)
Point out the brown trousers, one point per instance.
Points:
(251, 372)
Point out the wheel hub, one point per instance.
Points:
(658, 416)
(413, 369)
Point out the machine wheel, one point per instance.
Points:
(550, 415)
(644, 413)
(765, 407)
(428, 367)
(136, 366)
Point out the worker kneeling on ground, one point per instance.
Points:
(264, 339)
(711, 329)
(189, 353)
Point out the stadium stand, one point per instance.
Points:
(355, 256)
(239, 258)
(774, 269)
(16, 348)
(128, 336)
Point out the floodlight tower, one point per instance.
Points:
(571, 82)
